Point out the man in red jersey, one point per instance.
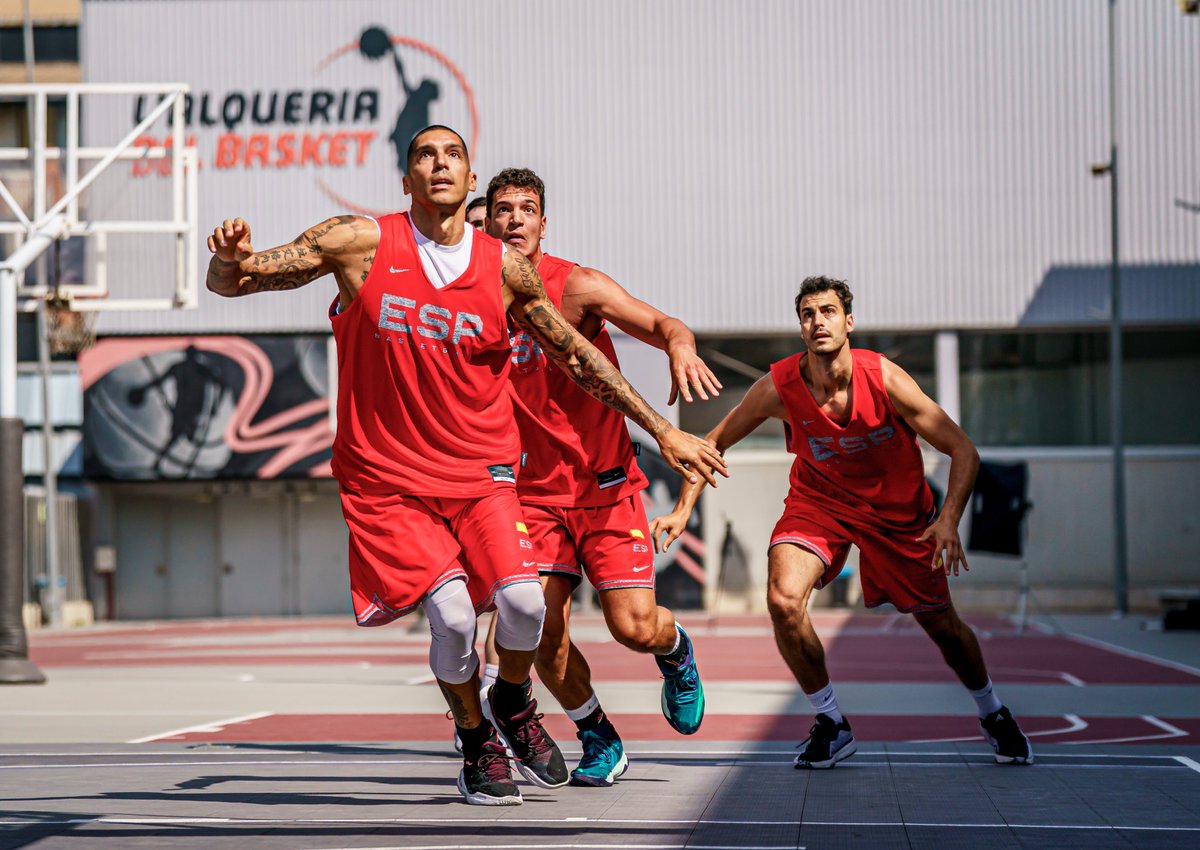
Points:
(426, 443)
(580, 485)
(852, 418)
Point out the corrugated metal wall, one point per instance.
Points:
(710, 154)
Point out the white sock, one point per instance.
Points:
(824, 702)
(584, 710)
(490, 672)
(675, 648)
(986, 701)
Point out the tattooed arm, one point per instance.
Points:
(344, 246)
(527, 303)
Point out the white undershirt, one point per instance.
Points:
(443, 264)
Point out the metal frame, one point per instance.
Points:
(50, 223)
(183, 224)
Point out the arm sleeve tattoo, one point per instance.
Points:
(288, 266)
(587, 366)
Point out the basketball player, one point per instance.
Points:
(477, 212)
(580, 486)
(852, 419)
(426, 442)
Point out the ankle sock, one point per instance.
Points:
(473, 739)
(678, 653)
(587, 716)
(509, 699)
(824, 702)
(986, 701)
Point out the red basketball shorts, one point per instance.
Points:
(893, 566)
(611, 543)
(405, 547)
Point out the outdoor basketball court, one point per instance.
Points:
(315, 734)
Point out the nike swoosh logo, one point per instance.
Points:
(395, 270)
(640, 569)
(529, 563)
(807, 421)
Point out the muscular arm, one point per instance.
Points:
(527, 303)
(760, 403)
(943, 433)
(940, 431)
(590, 292)
(343, 245)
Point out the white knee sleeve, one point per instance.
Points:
(452, 655)
(520, 610)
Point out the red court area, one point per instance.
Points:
(872, 648)
(859, 648)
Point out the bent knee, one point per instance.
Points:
(637, 633)
(942, 626)
(521, 611)
(787, 601)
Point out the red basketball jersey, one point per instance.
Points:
(424, 406)
(868, 471)
(575, 450)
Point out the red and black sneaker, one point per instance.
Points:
(486, 778)
(536, 755)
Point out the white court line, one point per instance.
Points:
(1072, 680)
(1075, 724)
(693, 763)
(1171, 732)
(427, 679)
(259, 822)
(284, 754)
(1187, 762)
(1120, 650)
(215, 726)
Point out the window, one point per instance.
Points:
(1051, 389)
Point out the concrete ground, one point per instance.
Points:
(311, 733)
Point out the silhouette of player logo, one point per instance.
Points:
(375, 43)
(199, 391)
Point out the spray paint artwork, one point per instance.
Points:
(206, 407)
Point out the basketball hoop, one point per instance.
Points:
(69, 331)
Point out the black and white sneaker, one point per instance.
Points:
(828, 743)
(1008, 741)
(486, 779)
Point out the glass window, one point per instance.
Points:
(1051, 389)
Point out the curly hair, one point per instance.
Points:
(820, 283)
(517, 178)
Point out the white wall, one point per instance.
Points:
(708, 154)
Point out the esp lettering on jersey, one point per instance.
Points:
(526, 353)
(435, 322)
(823, 448)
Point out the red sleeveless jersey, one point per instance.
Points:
(869, 471)
(575, 450)
(424, 406)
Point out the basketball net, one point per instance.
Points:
(69, 331)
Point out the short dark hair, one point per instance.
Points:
(518, 178)
(412, 145)
(477, 202)
(820, 283)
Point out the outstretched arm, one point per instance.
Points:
(526, 301)
(943, 433)
(591, 291)
(760, 403)
(340, 245)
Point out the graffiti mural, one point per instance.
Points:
(206, 407)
